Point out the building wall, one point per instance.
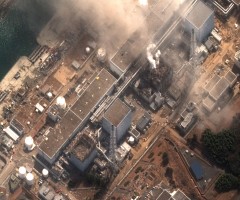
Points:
(115, 69)
(121, 128)
(203, 31)
(83, 165)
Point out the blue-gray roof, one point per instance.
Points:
(197, 170)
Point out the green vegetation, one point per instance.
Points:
(223, 149)
(226, 183)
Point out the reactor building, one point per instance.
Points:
(119, 117)
(75, 117)
(200, 19)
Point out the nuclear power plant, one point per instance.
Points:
(112, 90)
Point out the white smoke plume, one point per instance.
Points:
(112, 20)
(154, 62)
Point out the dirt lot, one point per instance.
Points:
(153, 168)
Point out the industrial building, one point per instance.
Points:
(143, 122)
(216, 88)
(197, 170)
(82, 150)
(162, 192)
(119, 117)
(76, 117)
(201, 20)
(237, 59)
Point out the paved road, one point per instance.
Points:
(6, 172)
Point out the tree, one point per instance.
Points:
(165, 159)
(219, 146)
(227, 182)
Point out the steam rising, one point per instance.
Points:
(154, 62)
(112, 20)
(143, 2)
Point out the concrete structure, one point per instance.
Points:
(17, 127)
(7, 142)
(11, 134)
(82, 151)
(201, 20)
(216, 88)
(118, 115)
(75, 65)
(46, 192)
(143, 122)
(237, 58)
(76, 117)
(122, 152)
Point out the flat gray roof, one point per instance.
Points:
(56, 137)
(127, 53)
(116, 112)
(199, 14)
(219, 89)
(209, 103)
(230, 77)
(212, 82)
(93, 94)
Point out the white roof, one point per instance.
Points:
(39, 107)
(14, 136)
(126, 146)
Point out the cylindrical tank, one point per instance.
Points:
(61, 103)
(3, 193)
(101, 55)
(29, 179)
(45, 173)
(22, 172)
(49, 95)
(29, 143)
(88, 50)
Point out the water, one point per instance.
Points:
(19, 29)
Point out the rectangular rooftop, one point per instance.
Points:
(199, 14)
(57, 137)
(219, 89)
(116, 112)
(93, 94)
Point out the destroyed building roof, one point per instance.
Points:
(82, 147)
(199, 14)
(117, 112)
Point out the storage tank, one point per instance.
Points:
(29, 144)
(61, 103)
(22, 172)
(101, 55)
(3, 193)
(45, 173)
(88, 50)
(29, 179)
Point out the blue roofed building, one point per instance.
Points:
(197, 170)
